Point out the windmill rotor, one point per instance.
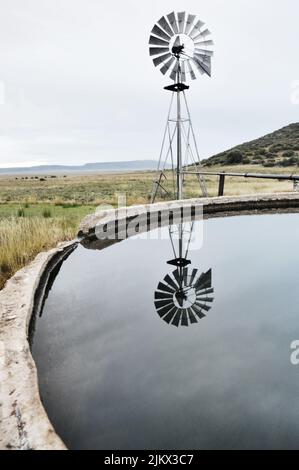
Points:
(185, 39)
(184, 298)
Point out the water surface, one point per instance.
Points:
(114, 375)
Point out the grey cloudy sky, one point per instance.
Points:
(77, 84)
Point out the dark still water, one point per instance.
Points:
(114, 375)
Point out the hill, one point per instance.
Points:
(280, 148)
(135, 165)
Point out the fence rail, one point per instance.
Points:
(222, 176)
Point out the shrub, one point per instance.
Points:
(234, 157)
(288, 154)
(47, 213)
(21, 212)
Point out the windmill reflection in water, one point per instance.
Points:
(183, 297)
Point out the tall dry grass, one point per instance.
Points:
(21, 239)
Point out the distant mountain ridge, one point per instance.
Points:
(280, 148)
(134, 165)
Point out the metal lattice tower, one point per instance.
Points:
(179, 46)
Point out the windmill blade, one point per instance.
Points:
(177, 42)
(170, 282)
(181, 21)
(184, 319)
(159, 60)
(170, 315)
(158, 50)
(157, 42)
(203, 52)
(192, 318)
(177, 319)
(202, 34)
(163, 296)
(164, 24)
(192, 74)
(167, 65)
(198, 312)
(174, 72)
(164, 288)
(183, 72)
(199, 66)
(163, 303)
(160, 33)
(189, 23)
(205, 43)
(202, 66)
(173, 23)
(206, 61)
(196, 29)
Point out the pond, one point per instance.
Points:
(125, 362)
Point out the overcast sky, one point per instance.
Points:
(77, 84)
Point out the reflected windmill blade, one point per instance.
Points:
(198, 312)
(164, 288)
(158, 42)
(184, 318)
(163, 303)
(167, 65)
(170, 315)
(189, 23)
(160, 33)
(163, 296)
(178, 276)
(202, 306)
(164, 310)
(173, 23)
(193, 275)
(196, 29)
(170, 282)
(185, 276)
(191, 71)
(164, 24)
(159, 60)
(181, 21)
(205, 299)
(203, 52)
(192, 318)
(202, 34)
(158, 50)
(205, 292)
(183, 72)
(177, 319)
(204, 280)
(205, 43)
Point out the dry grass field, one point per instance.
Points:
(36, 213)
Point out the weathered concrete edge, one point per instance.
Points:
(24, 423)
(212, 207)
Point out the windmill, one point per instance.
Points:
(180, 47)
(183, 297)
